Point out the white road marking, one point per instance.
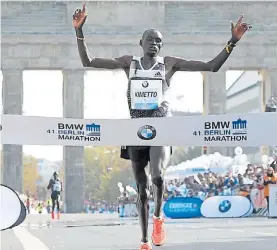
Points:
(214, 229)
(265, 234)
(236, 230)
(28, 241)
(195, 227)
(185, 226)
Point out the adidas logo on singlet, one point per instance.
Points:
(158, 74)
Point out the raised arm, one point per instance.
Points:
(238, 30)
(79, 19)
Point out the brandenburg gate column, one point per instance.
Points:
(269, 90)
(214, 98)
(73, 157)
(269, 84)
(12, 96)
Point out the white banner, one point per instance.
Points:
(214, 130)
(226, 207)
(272, 200)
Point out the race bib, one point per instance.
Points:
(146, 94)
(57, 187)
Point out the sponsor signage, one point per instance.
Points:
(178, 208)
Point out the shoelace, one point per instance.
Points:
(159, 226)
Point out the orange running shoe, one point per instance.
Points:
(158, 235)
(145, 246)
(58, 215)
(53, 215)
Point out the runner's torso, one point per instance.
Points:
(147, 90)
(56, 186)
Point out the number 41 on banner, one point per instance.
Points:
(197, 133)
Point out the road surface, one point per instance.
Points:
(108, 232)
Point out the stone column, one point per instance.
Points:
(73, 157)
(214, 92)
(269, 91)
(12, 96)
(269, 83)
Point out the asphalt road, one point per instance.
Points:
(108, 232)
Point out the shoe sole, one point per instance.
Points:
(150, 248)
(158, 245)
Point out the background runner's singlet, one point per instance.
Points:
(147, 90)
(57, 186)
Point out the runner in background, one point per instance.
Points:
(55, 184)
(39, 208)
(28, 204)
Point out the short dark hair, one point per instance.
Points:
(146, 32)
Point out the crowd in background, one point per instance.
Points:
(255, 180)
(99, 207)
(34, 206)
(253, 184)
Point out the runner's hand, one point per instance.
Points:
(79, 17)
(239, 29)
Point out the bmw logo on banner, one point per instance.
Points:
(147, 132)
(224, 206)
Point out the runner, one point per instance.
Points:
(56, 187)
(148, 82)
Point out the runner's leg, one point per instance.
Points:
(139, 162)
(159, 158)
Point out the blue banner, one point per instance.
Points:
(179, 208)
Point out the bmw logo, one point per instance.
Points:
(224, 206)
(147, 132)
(145, 84)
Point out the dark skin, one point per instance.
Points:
(151, 44)
(51, 183)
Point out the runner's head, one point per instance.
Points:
(151, 42)
(55, 175)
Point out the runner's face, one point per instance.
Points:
(152, 43)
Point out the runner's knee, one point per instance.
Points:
(158, 181)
